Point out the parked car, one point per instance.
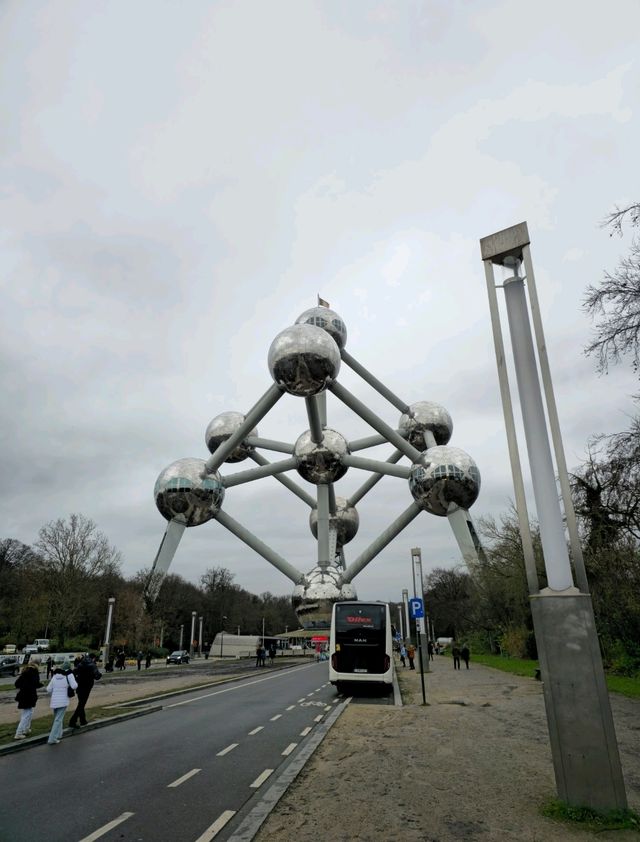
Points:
(31, 649)
(179, 657)
(9, 665)
(10, 649)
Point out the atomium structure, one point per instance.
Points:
(304, 361)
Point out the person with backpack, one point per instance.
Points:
(61, 688)
(86, 673)
(411, 653)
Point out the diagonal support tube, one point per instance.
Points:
(260, 547)
(269, 470)
(377, 467)
(323, 526)
(255, 414)
(371, 418)
(269, 444)
(166, 551)
(465, 534)
(374, 382)
(381, 542)
(366, 487)
(369, 441)
(288, 483)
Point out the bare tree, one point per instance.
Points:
(73, 553)
(614, 303)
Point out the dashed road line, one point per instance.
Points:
(319, 717)
(301, 700)
(107, 827)
(277, 716)
(255, 730)
(184, 778)
(289, 749)
(261, 778)
(217, 826)
(291, 707)
(305, 731)
(227, 749)
(327, 707)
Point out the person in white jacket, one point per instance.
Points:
(58, 687)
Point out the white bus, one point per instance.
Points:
(360, 648)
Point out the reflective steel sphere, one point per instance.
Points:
(445, 479)
(326, 319)
(424, 416)
(313, 601)
(223, 427)
(345, 521)
(304, 360)
(182, 494)
(320, 463)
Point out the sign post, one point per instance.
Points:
(421, 632)
(416, 607)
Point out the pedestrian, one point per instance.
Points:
(272, 653)
(139, 658)
(455, 651)
(120, 664)
(147, 663)
(109, 665)
(86, 673)
(27, 683)
(49, 663)
(430, 650)
(258, 655)
(403, 655)
(61, 688)
(464, 654)
(411, 653)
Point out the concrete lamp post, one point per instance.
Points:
(583, 743)
(107, 634)
(194, 614)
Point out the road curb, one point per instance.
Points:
(21, 745)
(252, 823)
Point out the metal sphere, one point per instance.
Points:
(221, 428)
(182, 494)
(345, 521)
(313, 599)
(425, 416)
(328, 320)
(304, 360)
(321, 463)
(445, 479)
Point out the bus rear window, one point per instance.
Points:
(351, 617)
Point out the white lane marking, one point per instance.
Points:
(335, 701)
(107, 827)
(319, 717)
(291, 707)
(289, 749)
(277, 716)
(279, 674)
(217, 826)
(305, 731)
(328, 707)
(184, 778)
(302, 699)
(311, 693)
(255, 730)
(227, 749)
(261, 778)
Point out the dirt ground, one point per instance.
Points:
(473, 765)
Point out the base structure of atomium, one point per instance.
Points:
(304, 361)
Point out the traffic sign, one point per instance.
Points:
(416, 608)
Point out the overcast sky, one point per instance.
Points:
(180, 180)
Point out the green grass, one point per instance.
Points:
(522, 666)
(592, 819)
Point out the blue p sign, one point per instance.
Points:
(416, 608)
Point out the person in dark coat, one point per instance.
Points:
(27, 683)
(147, 663)
(464, 654)
(120, 664)
(49, 663)
(86, 673)
(455, 651)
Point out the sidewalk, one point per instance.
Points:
(474, 765)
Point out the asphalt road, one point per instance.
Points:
(176, 775)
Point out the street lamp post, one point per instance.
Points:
(107, 634)
(181, 635)
(194, 614)
(222, 635)
(584, 749)
(200, 638)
